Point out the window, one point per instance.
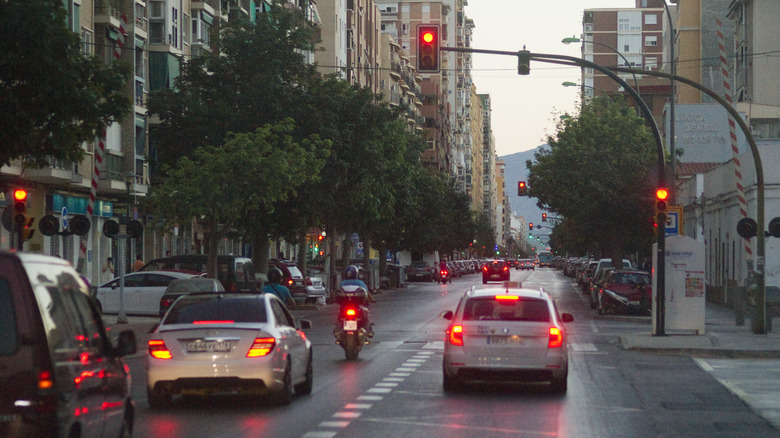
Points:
(651, 40)
(651, 19)
(651, 63)
(185, 29)
(174, 27)
(87, 41)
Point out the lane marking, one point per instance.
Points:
(319, 435)
(392, 379)
(434, 345)
(387, 384)
(400, 374)
(358, 406)
(340, 424)
(370, 397)
(380, 390)
(583, 347)
(346, 414)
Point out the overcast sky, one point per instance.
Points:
(523, 106)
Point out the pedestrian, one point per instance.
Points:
(108, 271)
(138, 264)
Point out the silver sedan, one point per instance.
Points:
(224, 343)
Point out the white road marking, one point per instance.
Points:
(370, 397)
(400, 374)
(358, 406)
(346, 414)
(334, 424)
(318, 434)
(583, 347)
(434, 345)
(380, 390)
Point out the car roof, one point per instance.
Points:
(508, 288)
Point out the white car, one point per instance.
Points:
(315, 286)
(506, 333)
(142, 293)
(214, 343)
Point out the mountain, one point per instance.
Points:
(515, 171)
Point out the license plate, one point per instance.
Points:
(633, 303)
(505, 340)
(350, 325)
(209, 346)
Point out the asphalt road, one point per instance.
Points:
(394, 388)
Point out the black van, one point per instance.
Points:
(236, 273)
(59, 373)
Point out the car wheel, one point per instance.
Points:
(306, 387)
(450, 383)
(127, 425)
(560, 385)
(158, 399)
(285, 395)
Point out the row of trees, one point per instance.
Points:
(257, 144)
(597, 175)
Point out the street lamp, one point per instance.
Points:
(579, 40)
(574, 84)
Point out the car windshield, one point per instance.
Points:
(520, 309)
(195, 309)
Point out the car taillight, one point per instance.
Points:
(506, 268)
(261, 347)
(308, 282)
(45, 380)
(158, 350)
(290, 282)
(556, 338)
(455, 335)
(485, 268)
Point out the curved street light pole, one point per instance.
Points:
(580, 40)
(574, 84)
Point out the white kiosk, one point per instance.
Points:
(685, 286)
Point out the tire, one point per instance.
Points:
(158, 399)
(306, 387)
(450, 383)
(127, 425)
(285, 395)
(351, 347)
(560, 385)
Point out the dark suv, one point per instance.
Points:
(495, 270)
(60, 375)
(237, 274)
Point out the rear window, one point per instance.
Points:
(216, 308)
(492, 309)
(419, 265)
(191, 286)
(8, 340)
(630, 278)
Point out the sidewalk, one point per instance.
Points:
(722, 339)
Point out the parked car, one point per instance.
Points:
(586, 274)
(215, 343)
(292, 277)
(500, 334)
(495, 270)
(315, 285)
(60, 374)
(234, 272)
(142, 293)
(184, 286)
(626, 291)
(595, 285)
(420, 271)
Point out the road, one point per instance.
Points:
(394, 389)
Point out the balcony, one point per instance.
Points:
(58, 173)
(209, 6)
(395, 70)
(107, 13)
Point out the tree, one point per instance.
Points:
(596, 173)
(52, 97)
(222, 186)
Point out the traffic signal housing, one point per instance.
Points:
(522, 188)
(544, 217)
(661, 207)
(747, 228)
(530, 226)
(428, 48)
(523, 62)
(20, 208)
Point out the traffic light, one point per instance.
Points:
(774, 227)
(79, 225)
(428, 42)
(544, 217)
(49, 225)
(523, 62)
(135, 229)
(661, 214)
(20, 207)
(522, 188)
(747, 228)
(530, 226)
(110, 228)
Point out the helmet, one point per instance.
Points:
(275, 275)
(351, 273)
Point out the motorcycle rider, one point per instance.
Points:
(351, 279)
(275, 287)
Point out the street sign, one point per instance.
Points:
(674, 222)
(64, 218)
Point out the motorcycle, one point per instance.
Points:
(444, 276)
(351, 331)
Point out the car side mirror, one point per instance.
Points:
(126, 344)
(303, 324)
(567, 317)
(446, 315)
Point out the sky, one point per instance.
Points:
(525, 108)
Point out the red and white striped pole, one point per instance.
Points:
(728, 95)
(100, 153)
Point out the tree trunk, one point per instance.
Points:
(211, 260)
(302, 253)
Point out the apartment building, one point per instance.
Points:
(489, 187)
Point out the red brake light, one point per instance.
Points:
(308, 282)
(261, 347)
(350, 312)
(158, 350)
(227, 321)
(290, 282)
(507, 297)
(556, 338)
(484, 268)
(45, 380)
(455, 335)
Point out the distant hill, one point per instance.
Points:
(516, 171)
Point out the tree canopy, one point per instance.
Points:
(596, 174)
(53, 98)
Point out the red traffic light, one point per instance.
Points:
(661, 194)
(544, 217)
(522, 189)
(531, 226)
(428, 48)
(20, 195)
